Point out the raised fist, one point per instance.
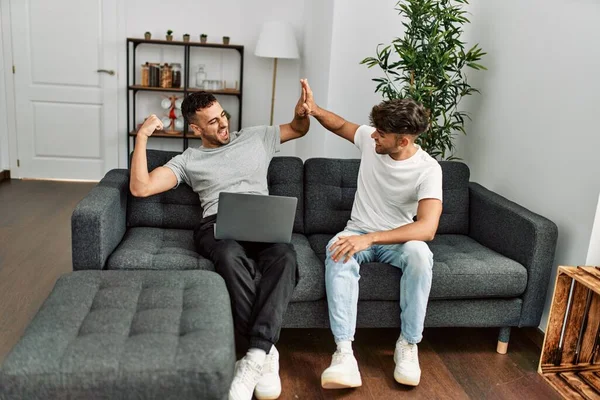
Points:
(151, 124)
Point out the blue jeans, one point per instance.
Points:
(341, 280)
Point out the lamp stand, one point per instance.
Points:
(273, 94)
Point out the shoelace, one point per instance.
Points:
(408, 352)
(270, 364)
(248, 373)
(339, 357)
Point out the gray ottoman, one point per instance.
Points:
(126, 335)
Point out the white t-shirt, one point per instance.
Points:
(389, 191)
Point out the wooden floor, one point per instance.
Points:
(35, 248)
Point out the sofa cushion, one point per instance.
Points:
(455, 186)
(126, 334)
(180, 208)
(173, 249)
(158, 249)
(462, 268)
(318, 242)
(311, 271)
(285, 178)
(330, 186)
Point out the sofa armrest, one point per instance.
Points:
(518, 234)
(99, 221)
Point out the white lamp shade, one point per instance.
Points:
(276, 40)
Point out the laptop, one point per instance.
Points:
(255, 218)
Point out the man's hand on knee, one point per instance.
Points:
(348, 246)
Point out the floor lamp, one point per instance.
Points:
(276, 40)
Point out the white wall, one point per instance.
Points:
(534, 136)
(338, 36)
(593, 255)
(358, 28)
(238, 19)
(4, 154)
(318, 17)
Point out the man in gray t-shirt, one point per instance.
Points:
(233, 162)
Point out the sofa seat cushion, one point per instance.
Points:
(462, 269)
(158, 249)
(311, 271)
(173, 249)
(126, 334)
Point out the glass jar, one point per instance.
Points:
(200, 77)
(154, 75)
(176, 73)
(165, 76)
(145, 74)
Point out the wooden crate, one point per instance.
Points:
(570, 359)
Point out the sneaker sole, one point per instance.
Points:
(406, 381)
(336, 381)
(267, 395)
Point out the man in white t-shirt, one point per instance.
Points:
(397, 181)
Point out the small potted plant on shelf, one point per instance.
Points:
(147, 35)
(186, 37)
(225, 40)
(169, 35)
(203, 38)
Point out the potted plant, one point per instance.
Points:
(186, 37)
(203, 38)
(428, 65)
(225, 40)
(147, 35)
(169, 35)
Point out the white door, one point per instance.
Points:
(66, 109)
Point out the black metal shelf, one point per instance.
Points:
(132, 88)
(138, 41)
(230, 92)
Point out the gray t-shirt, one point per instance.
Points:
(239, 166)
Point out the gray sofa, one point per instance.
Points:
(492, 257)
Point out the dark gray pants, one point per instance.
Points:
(257, 306)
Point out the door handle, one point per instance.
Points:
(107, 71)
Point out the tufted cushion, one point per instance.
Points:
(126, 334)
(285, 178)
(462, 269)
(330, 186)
(172, 249)
(180, 208)
(156, 248)
(455, 186)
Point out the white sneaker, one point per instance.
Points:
(342, 373)
(246, 376)
(269, 385)
(406, 357)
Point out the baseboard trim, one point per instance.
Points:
(5, 174)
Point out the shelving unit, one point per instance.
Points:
(133, 88)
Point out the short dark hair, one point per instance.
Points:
(404, 116)
(194, 102)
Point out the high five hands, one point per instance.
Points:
(306, 104)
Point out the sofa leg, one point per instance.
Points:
(503, 338)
